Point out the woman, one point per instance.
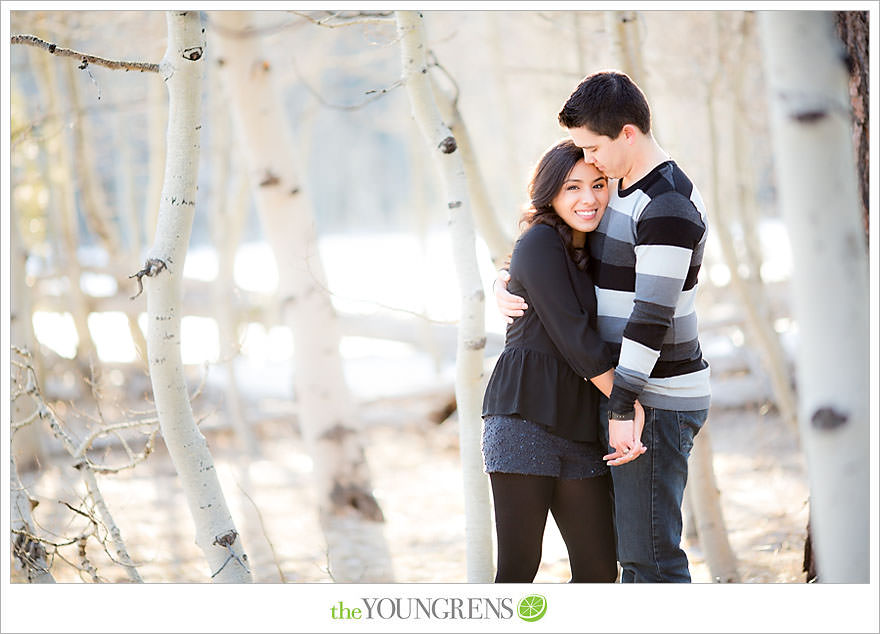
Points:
(540, 410)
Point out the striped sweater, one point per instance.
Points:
(645, 257)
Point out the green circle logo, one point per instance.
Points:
(532, 608)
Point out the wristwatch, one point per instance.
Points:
(613, 416)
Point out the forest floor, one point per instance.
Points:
(415, 467)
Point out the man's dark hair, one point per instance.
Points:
(604, 102)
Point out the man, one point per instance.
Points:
(645, 256)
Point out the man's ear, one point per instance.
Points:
(630, 133)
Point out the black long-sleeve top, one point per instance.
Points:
(550, 350)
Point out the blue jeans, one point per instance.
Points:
(647, 497)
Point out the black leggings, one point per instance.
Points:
(582, 511)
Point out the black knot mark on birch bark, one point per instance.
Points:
(810, 116)
(336, 433)
(152, 267)
(448, 145)
(828, 418)
(193, 54)
(269, 179)
(226, 539)
(351, 496)
(475, 344)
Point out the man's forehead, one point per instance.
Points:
(584, 137)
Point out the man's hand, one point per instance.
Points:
(625, 436)
(509, 305)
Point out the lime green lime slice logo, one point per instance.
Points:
(532, 608)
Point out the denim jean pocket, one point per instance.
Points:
(689, 424)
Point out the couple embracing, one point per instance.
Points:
(592, 408)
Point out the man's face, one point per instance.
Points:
(607, 154)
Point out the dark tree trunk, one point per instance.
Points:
(810, 558)
(852, 27)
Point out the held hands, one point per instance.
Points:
(509, 305)
(626, 438)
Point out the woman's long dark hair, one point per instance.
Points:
(546, 182)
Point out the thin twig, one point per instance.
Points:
(33, 40)
(375, 94)
(361, 17)
(265, 534)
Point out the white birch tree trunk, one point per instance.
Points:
(623, 26)
(350, 514)
(705, 500)
(812, 136)
(181, 68)
(26, 444)
(63, 211)
(96, 209)
(230, 206)
(471, 330)
(157, 107)
(500, 245)
(751, 295)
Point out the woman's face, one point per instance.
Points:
(582, 200)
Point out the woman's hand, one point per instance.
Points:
(509, 305)
(625, 436)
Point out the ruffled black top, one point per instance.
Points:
(554, 346)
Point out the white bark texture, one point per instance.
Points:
(157, 106)
(626, 40)
(327, 415)
(181, 67)
(471, 333)
(500, 245)
(818, 189)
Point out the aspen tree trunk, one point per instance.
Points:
(751, 296)
(471, 331)
(500, 245)
(126, 197)
(97, 211)
(26, 444)
(63, 210)
(229, 203)
(349, 513)
(812, 136)
(421, 217)
(627, 43)
(158, 121)
(705, 499)
(181, 69)
(28, 554)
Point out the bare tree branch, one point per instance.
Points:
(337, 19)
(86, 59)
